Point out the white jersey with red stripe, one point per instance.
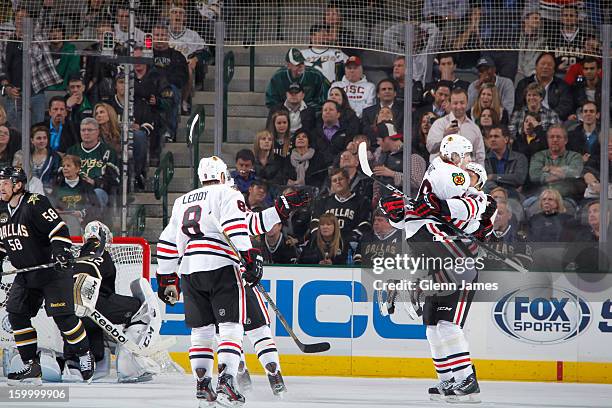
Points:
(193, 238)
(261, 222)
(451, 184)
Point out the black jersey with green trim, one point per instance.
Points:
(30, 230)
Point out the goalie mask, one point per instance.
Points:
(97, 230)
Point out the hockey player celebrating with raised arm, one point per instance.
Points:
(139, 313)
(445, 197)
(31, 234)
(257, 327)
(211, 283)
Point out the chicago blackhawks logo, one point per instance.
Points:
(458, 179)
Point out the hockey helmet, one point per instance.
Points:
(211, 168)
(97, 230)
(14, 174)
(480, 172)
(455, 144)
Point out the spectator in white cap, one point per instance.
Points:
(487, 74)
(312, 81)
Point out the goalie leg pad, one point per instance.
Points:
(132, 367)
(230, 346)
(201, 353)
(149, 312)
(86, 291)
(265, 347)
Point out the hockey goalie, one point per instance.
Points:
(134, 320)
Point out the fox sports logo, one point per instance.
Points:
(542, 315)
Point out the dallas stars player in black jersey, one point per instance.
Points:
(32, 233)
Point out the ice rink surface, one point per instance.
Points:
(331, 392)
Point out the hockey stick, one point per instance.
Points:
(117, 333)
(97, 253)
(367, 170)
(305, 348)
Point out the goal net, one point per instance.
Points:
(440, 25)
(132, 258)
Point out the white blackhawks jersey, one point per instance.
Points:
(361, 94)
(325, 60)
(452, 184)
(261, 222)
(191, 242)
(186, 42)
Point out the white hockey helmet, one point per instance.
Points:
(211, 168)
(455, 144)
(480, 172)
(97, 230)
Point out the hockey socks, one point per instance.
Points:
(265, 347)
(438, 354)
(456, 359)
(201, 354)
(230, 347)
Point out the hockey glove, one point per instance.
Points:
(62, 257)
(253, 266)
(429, 205)
(169, 288)
(289, 202)
(491, 208)
(484, 230)
(393, 207)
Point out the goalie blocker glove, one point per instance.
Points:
(169, 288)
(253, 266)
(289, 202)
(393, 207)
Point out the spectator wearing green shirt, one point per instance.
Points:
(98, 160)
(67, 62)
(557, 167)
(312, 81)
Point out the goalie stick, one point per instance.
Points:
(118, 334)
(367, 170)
(305, 348)
(97, 253)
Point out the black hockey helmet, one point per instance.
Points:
(14, 174)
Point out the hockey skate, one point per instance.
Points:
(227, 392)
(244, 378)
(436, 393)
(204, 393)
(31, 374)
(276, 380)
(466, 391)
(87, 366)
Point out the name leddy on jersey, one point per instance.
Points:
(199, 196)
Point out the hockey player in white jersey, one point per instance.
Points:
(445, 195)
(212, 285)
(257, 328)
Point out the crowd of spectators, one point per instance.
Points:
(77, 98)
(532, 117)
